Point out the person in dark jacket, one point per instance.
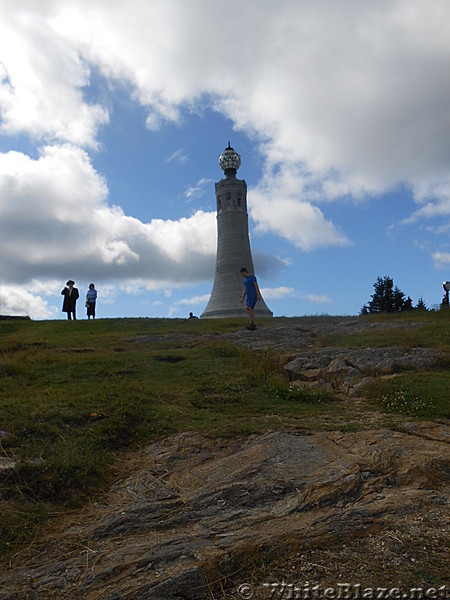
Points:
(71, 295)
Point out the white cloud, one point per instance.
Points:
(55, 222)
(199, 300)
(354, 92)
(178, 156)
(441, 229)
(41, 80)
(17, 301)
(276, 293)
(198, 189)
(345, 99)
(318, 299)
(441, 259)
(284, 292)
(302, 223)
(194, 300)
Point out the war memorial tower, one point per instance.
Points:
(233, 245)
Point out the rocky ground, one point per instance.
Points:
(342, 370)
(266, 516)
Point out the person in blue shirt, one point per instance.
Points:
(91, 299)
(251, 290)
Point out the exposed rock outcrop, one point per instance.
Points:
(344, 370)
(196, 505)
(306, 335)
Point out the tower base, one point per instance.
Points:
(233, 313)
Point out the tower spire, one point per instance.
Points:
(233, 244)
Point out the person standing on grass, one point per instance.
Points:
(91, 299)
(251, 290)
(71, 295)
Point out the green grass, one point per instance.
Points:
(77, 396)
(427, 329)
(423, 395)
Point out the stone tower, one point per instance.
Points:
(233, 244)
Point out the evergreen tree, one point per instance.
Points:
(421, 304)
(399, 300)
(387, 298)
(364, 310)
(407, 305)
(383, 297)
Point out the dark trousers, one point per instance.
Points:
(70, 313)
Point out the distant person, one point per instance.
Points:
(445, 299)
(192, 316)
(251, 290)
(71, 296)
(91, 299)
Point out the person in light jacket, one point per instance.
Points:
(91, 299)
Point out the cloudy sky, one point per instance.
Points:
(113, 114)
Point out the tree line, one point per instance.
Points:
(388, 298)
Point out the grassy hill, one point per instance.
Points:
(78, 397)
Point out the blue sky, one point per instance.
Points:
(113, 115)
